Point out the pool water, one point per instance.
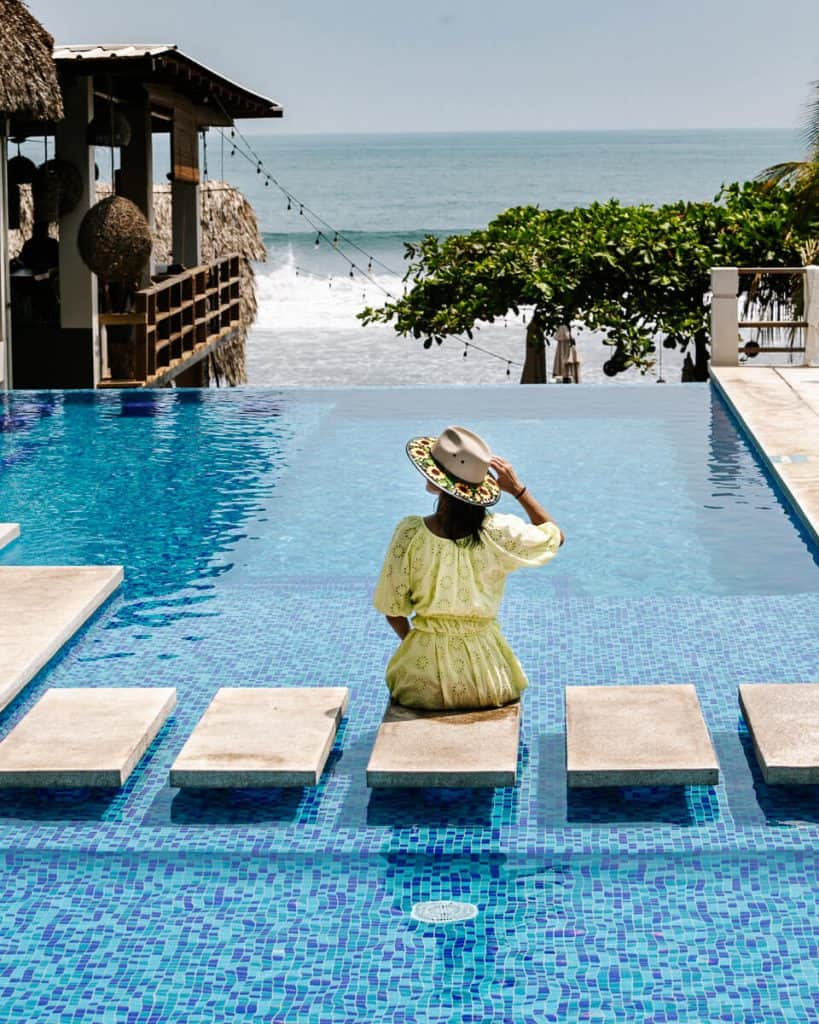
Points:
(251, 525)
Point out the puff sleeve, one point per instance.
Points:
(518, 544)
(392, 593)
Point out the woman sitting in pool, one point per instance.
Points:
(448, 570)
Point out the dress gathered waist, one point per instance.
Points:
(452, 625)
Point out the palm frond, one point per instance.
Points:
(809, 128)
(788, 174)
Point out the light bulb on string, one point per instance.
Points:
(508, 368)
(335, 238)
(318, 240)
(301, 210)
(352, 268)
(370, 267)
(466, 347)
(267, 182)
(259, 168)
(330, 281)
(289, 205)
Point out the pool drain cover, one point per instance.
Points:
(443, 911)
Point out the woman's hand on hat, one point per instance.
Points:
(505, 475)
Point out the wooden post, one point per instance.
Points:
(5, 299)
(78, 285)
(186, 245)
(724, 319)
(136, 174)
(812, 316)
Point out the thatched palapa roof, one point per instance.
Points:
(28, 74)
(228, 224)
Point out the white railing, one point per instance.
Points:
(726, 321)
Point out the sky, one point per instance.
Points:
(473, 65)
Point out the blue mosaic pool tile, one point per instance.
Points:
(172, 937)
(639, 904)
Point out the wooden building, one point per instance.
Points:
(28, 90)
(164, 325)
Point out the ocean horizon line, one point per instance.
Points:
(463, 132)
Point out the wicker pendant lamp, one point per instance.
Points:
(115, 240)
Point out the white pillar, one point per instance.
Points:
(78, 286)
(812, 316)
(724, 318)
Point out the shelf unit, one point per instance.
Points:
(176, 319)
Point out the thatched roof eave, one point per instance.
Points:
(28, 74)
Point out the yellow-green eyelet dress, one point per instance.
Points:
(455, 655)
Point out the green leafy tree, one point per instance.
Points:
(632, 273)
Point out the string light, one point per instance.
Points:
(317, 222)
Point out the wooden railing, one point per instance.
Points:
(174, 324)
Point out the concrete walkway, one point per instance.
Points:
(779, 407)
(42, 606)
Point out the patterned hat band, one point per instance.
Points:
(460, 447)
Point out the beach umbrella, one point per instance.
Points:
(573, 365)
(564, 346)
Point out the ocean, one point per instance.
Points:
(380, 191)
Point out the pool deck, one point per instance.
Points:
(779, 408)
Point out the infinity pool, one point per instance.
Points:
(251, 525)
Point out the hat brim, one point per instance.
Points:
(486, 493)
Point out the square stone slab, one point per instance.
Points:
(8, 533)
(637, 736)
(783, 719)
(42, 606)
(84, 737)
(418, 749)
(262, 736)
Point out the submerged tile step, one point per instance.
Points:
(783, 719)
(8, 533)
(90, 736)
(418, 749)
(637, 736)
(42, 606)
(262, 736)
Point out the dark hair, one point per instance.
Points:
(461, 521)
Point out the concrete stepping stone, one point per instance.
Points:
(84, 736)
(637, 736)
(262, 736)
(783, 719)
(8, 533)
(419, 749)
(42, 606)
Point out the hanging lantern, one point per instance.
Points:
(21, 170)
(109, 128)
(57, 189)
(115, 240)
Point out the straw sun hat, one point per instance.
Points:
(458, 463)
